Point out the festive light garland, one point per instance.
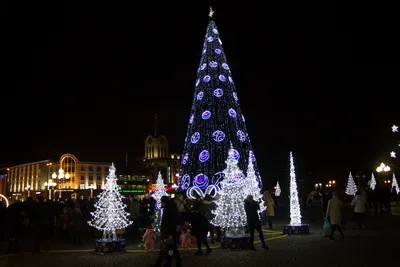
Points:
(351, 187)
(295, 213)
(110, 214)
(230, 213)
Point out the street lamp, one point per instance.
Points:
(49, 184)
(91, 187)
(60, 176)
(331, 183)
(28, 188)
(383, 168)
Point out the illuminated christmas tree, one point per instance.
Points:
(230, 213)
(251, 186)
(110, 214)
(295, 213)
(372, 183)
(351, 187)
(159, 192)
(278, 190)
(215, 121)
(395, 184)
(295, 226)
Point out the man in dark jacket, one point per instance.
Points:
(168, 231)
(200, 228)
(253, 221)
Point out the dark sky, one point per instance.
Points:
(87, 78)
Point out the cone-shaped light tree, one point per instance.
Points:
(110, 214)
(251, 186)
(295, 213)
(215, 121)
(372, 183)
(230, 213)
(351, 187)
(160, 190)
(278, 190)
(395, 184)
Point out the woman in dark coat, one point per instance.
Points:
(253, 221)
(200, 228)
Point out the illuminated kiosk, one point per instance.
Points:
(295, 227)
(230, 213)
(110, 216)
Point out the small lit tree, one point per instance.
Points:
(251, 186)
(295, 213)
(395, 184)
(278, 190)
(372, 183)
(351, 187)
(230, 213)
(110, 214)
(158, 193)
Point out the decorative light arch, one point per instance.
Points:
(3, 197)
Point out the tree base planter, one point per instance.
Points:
(301, 229)
(110, 246)
(235, 241)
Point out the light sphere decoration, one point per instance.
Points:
(206, 115)
(203, 66)
(204, 155)
(241, 135)
(218, 51)
(206, 78)
(218, 92)
(218, 136)
(185, 158)
(195, 137)
(232, 113)
(200, 96)
(222, 78)
(235, 96)
(210, 39)
(213, 64)
(225, 66)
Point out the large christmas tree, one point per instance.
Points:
(215, 122)
(110, 214)
(351, 187)
(230, 213)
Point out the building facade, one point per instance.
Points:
(54, 179)
(157, 158)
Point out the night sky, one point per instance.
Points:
(87, 78)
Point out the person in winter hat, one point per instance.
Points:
(149, 238)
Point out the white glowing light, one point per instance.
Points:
(395, 128)
(395, 184)
(295, 213)
(278, 190)
(251, 186)
(393, 154)
(110, 214)
(351, 187)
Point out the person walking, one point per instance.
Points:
(334, 214)
(360, 209)
(269, 203)
(253, 220)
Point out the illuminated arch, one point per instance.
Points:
(68, 156)
(3, 197)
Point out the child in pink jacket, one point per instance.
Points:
(149, 238)
(184, 239)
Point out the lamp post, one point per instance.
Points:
(49, 184)
(91, 187)
(28, 188)
(331, 183)
(60, 176)
(383, 168)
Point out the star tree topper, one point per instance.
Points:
(393, 154)
(395, 128)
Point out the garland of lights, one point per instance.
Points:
(351, 187)
(110, 214)
(230, 213)
(295, 213)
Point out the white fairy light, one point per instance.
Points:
(295, 213)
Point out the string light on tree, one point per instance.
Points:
(395, 184)
(110, 214)
(158, 193)
(230, 213)
(251, 186)
(278, 190)
(372, 183)
(351, 187)
(295, 226)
